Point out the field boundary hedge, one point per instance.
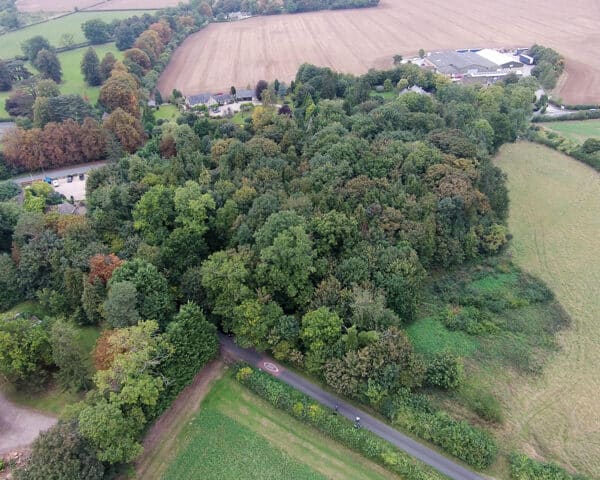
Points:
(305, 409)
(524, 468)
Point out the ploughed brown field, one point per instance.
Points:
(69, 5)
(241, 53)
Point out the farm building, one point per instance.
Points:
(223, 98)
(459, 63)
(200, 99)
(244, 95)
(502, 60)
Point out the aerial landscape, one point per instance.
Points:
(299, 239)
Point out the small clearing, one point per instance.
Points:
(576, 130)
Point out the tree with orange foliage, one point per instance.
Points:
(126, 128)
(149, 41)
(120, 91)
(93, 140)
(102, 266)
(139, 57)
(104, 353)
(206, 10)
(163, 29)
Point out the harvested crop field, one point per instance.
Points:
(555, 223)
(241, 53)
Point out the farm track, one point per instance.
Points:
(554, 220)
(241, 53)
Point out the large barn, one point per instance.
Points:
(459, 63)
(502, 60)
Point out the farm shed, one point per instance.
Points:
(244, 95)
(460, 63)
(200, 99)
(502, 60)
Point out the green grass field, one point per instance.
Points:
(237, 435)
(73, 81)
(577, 130)
(166, 112)
(10, 43)
(554, 219)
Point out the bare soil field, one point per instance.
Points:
(554, 219)
(70, 5)
(241, 53)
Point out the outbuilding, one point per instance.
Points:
(244, 95)
(502, 60)
(459, 63)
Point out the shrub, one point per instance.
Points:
(445, 371)
(524, 468)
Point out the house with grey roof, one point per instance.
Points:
(244, 95)
(200, 99)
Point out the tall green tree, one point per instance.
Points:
(48, 64)
(90, 67)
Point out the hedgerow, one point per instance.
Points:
(525, 468)
(337, 427)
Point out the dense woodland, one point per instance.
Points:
(310, 232)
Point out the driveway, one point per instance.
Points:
(20, 426)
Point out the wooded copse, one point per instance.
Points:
(309, 234)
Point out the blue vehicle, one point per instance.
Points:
(48, 180)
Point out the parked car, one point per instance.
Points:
(55, 183)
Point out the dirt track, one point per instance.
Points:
(19, 426)
(242, 53)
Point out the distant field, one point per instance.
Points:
(554, 219)
(72, 78)
(236, 435)
(10, 43)
(70, 5)
(579, 130)
(270, 47)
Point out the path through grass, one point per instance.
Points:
(237, 435)
(554, 218)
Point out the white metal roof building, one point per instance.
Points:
(501, 59)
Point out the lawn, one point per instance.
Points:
(237, 435)
(554, 219)
(428, 336)
(576, 130)
(166, 111)
(386, 95)
(10, 43)
(72, 78)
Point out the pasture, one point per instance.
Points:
(578, 130)
(10, 43)
(73, 82)
(237, 435)
(554, 219)
(70, 5)
(241, 53)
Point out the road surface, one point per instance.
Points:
(59, 172)
(20, 426)
(426, 455)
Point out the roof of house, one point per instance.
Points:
(201, 98)
(244, 93)
(455, 62)
(496, 57)
(223, 97)
(69, 209)
(415, 89)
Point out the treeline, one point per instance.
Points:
(271, 7)
(549, 65)
(588, 152)
(125, 89)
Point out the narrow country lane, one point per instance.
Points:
(444, 465)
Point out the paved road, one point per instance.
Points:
(414, 448)
(59, 172)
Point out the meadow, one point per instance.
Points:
(554, 219)
(10, 43)
(73, 82)
(237, 435)
(353, 41)
(577, 130)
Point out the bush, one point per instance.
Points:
(337, 427)
(445, 371)
(524, 468)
